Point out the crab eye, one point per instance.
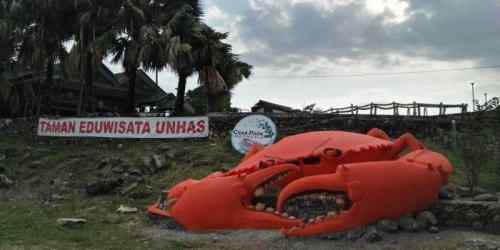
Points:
(332, 152)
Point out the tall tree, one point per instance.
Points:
(9, 34)
(219, 69)
(153, 34)
(182, 31)
(50, 24)
(94, 20)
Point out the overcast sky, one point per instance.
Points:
(307, 51)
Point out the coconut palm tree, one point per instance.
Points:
(94, 20)
(233, 71)
(139, 36)
(9, 34)
(182, 32)
(218, 68)
(49, 24)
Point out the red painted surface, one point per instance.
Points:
(379, 182)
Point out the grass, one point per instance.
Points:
(29, 213)
(29, 219)
(489, 178)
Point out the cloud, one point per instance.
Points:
(307, 30)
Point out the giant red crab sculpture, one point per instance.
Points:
(357, 179)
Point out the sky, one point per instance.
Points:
(335, 53)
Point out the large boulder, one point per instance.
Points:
(388, 226)
(409, 224)
(103, 186)
(426, 219)
(5, 182)
(485, 197)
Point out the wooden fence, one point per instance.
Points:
(412, 109)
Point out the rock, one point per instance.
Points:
(146, 161)
(496, 219)
(433, 230)
(388, 226)
(480, 244)
(204, 163)
(170, 224)
(57, 197)
(118, 170)
(335, 236)
(129, 188)
(5, 182)
(485, 197)
(35, 164)
(372, 235)
(408, 224)
(127, 210)
(158, 162)
(135, 171)
(426, 219)
(3, 157)
(356, 234)
(164, 148)
(446, 195)
(140, 192)
(477, 225)
(112, 219)
(71, 222)
(104, 186)
(472, 216)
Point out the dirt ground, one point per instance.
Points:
(447, 239)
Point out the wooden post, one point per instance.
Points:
(395, 109)
(371, 108)
(419, 111)
(414, 108)
(352, 109)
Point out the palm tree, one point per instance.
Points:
(9, 34)
(93, 21)
(151, 34)
(182, 32)
(233, 71)
(134, 27)
(219, 69)
(49, 26)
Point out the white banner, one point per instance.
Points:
(123, 127)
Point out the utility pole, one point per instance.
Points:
(473, 98)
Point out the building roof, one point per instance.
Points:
(147, 92)
(270, 105)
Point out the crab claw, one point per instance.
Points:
(281, 173)
(372, 191)
(333, 221)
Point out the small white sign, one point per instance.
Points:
(254, 129)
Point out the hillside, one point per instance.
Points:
(92, 179)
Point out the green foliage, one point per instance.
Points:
(153, 35)
(476, 151)
(199, 97)
(473, 151)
